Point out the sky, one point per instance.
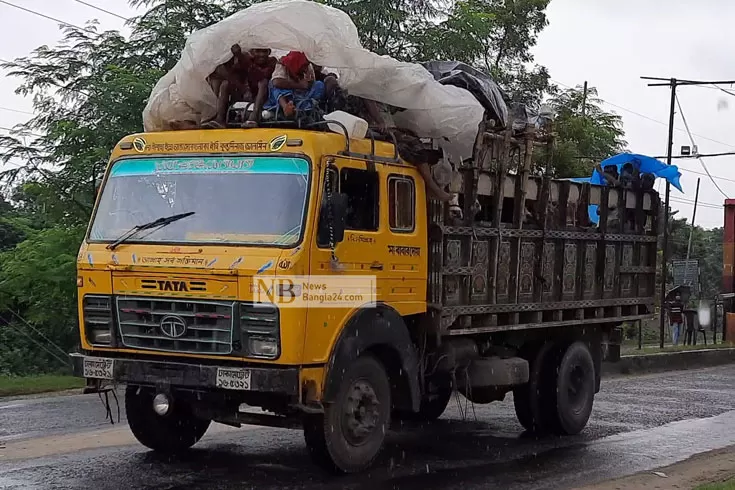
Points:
(608, 43)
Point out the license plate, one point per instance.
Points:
(97, 367)
(233, 379)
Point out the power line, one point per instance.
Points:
(102, 10)
(34, 12)
(16, 110)
(11, 130)
(700, 204)
(691, 138)
(704, 174)
(39, 344)
(699, 155)
(723, 90)
(17, 315)
(648, 117)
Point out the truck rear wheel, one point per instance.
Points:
(173, 432)
(574, 384)
(528, 399)
(349, 435)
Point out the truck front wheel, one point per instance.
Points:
(349, 435)
(173, 432)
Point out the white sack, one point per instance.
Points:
(329, 38)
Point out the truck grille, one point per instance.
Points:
(198, 327)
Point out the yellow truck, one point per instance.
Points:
(297, 278)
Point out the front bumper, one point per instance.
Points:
(282, 381)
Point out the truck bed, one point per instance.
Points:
(531, 257)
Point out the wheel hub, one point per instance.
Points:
(361, 413)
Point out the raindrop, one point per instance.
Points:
(427, 467)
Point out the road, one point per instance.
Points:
(638, 423)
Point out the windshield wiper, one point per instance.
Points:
(158, 223)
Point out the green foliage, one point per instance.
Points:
(38, 278)
(90, 90)
(495, 36)
(392, 27)
(706, 247)
(27, 385)
(584, 140)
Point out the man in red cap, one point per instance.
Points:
(294, 85)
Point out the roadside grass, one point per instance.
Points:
(652, 349)
(28, 385)
(726, 485)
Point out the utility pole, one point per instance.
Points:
(694, 217)
(584, 100)
(672, 83)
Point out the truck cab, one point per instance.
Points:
(231, 267)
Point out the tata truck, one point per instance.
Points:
(296, 278)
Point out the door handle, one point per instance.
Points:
(376, 266)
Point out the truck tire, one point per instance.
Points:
(434, 403)
(528, 399)
(170, 433)
(574, 384)
(349, 435)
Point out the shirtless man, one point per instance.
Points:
(244, 77)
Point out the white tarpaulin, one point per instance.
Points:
(329, 38)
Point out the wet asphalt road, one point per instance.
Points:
(639, 423)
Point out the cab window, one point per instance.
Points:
(401, 203)
(361, 188)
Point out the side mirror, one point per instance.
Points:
(338, 206)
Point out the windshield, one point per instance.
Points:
(254, 200)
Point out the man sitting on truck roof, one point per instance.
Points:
(294, 85)
(244, 77)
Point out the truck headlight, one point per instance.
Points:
(262, 347)
(260, 331)
(97, 316)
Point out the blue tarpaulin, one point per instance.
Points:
(646, 165)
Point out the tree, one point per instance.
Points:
(392, 27)
(11, 227)
(496, 36)
(90, 91)
(706, 248)
(584, 140)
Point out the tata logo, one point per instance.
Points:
(139, 145)
(173, 285)
(278, 142)
(173, 326)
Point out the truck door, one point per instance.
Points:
(356, 254)
(383, 239)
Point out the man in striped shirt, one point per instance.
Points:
(676, 318)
